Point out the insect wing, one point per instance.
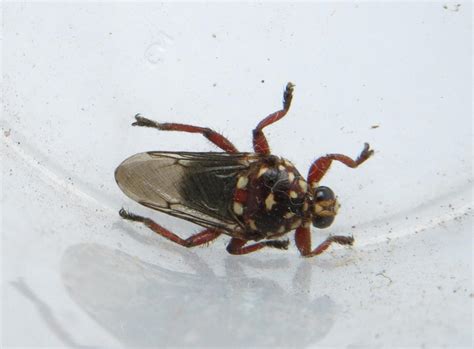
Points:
(197, 187)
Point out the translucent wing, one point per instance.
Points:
(197, 187)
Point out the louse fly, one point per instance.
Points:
(256, 197)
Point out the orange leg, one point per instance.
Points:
(321, 165)
(303, 242)
(260, 144)
(236, 246)
(211, 135)
(203, 237)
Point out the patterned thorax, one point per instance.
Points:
(271, 198)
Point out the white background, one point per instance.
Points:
(74, 74)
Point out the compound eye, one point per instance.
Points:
(324, 193)
(325, 207)
(322, 222)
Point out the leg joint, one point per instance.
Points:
(231, 249)
(279, 244)
(207, 132)
(256, 132)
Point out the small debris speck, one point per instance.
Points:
(452, 7)
(374, 126)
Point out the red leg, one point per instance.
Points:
(303, 242)
(320, 166)
(260, 144)
(203, 237)
(236, 246)
(211, 135)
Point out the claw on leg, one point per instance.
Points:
(203, 237)
(303, 242)
(216, 138)
(321, 165)
(130, 216)
(260, 144)
(144, 122)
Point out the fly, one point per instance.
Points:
(255, 198)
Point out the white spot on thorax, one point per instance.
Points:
(242, 182)
(252, 224)
(296, 223)
(303, 185)
(288, 215)
(263, 169)
(238, 208)
(291, 177)
(270, 201)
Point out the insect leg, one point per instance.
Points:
(203, 237)
(260, 144)
(216, 138)
(321, 165)
(303, 242)
(236, 246)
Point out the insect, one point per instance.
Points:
(255, 198)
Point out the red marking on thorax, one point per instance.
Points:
(240, 195)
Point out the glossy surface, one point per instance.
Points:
(273, 198)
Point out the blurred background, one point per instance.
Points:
(395, 74)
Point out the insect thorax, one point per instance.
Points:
(270, 198)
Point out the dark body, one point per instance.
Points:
(247, 195)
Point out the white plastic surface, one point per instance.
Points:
(75, 274)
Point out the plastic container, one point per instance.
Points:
(396, 75)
